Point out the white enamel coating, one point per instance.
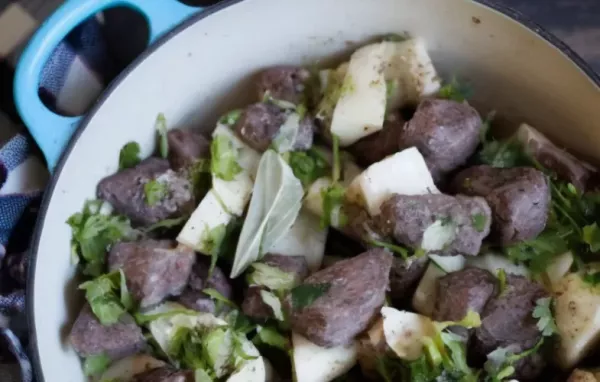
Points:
(206, 69)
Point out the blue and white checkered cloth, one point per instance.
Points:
(79, 69)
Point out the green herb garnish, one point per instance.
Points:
(96, 364)
(212, 240)
(231, 117)
(543, 312)
(224, 158)
(129, 155)
(305, 294)
(108, 297)
(161, 129)
(93, 234)
(308, 166)
(271, 337)
(455, 91)
(479, 221)
(155, 191)
(333, 212)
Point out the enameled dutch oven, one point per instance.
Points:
(202, 67)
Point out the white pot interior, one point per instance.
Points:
(206, 69)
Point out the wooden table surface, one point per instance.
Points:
(576, 22)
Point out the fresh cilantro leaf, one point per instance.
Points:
(270, 336)
(396, 37)
(161, 129)
(187, 350)
(167, 223)
(108, 296)
(129, 155)
(592, 278)
(231, 117)
(240, 322)
(93, 234)
(455, 91)
(223, 160)
(499, 364)
(155, 191)
(402, 251)
(479, 221)
(201, 375)
(217, 296)
(143, 319)
(212, 240)
(333, 212)
(337, 165)
(200, 177)
(308, 166)
(486, 127)
(95, 364)
(305, 294)
(543, 312)
(591, 236)
(502, 279)
(392, 369)
(502, 154)
(421, 370)
(539, 252)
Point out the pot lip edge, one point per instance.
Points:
(34, 353)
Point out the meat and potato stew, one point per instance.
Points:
(324, 233)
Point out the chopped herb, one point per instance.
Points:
(167, 223)
(538, 253)
(348, 86)
(199, 176)
(231, 118)
(143, 319)
(392, 369)
(271, 277)
(499, 364)
(270, 336)
(333, 212)
(224, 157)
(240, 322)
(479, 221)
(486, 127)
(155, 191)
(591, 236)
(187, 350)
(592, 278)
(161, 129)
(337, 165)
(395, 37)
(129, 155)
(502, 279)
(421, 370)
(201, 375)
(455, 91)
(402, 251)
(502, 154)
(308, 166)
(543, 312)
(93, 234)
(305, 294)
(95, 364)
(101, 294)
(212, 240)
(217, 296)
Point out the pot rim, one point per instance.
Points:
(47, 198)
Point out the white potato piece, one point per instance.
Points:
(424, 297)
(305, 238)
(410, 68)
(256, 370)
(208, 215)
(235, 194)
(126, 368)
(580, 375)
(360, 109)
(313, 363)
(404, 173)
(559, 267)
(404, 332)
(492, 263)
(577, 315)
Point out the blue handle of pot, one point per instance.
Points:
(51, 131)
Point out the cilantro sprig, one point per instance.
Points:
(224, 157)
(129, 156)
(108, 297)
(93, 232)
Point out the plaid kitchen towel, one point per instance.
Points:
(79, 69)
